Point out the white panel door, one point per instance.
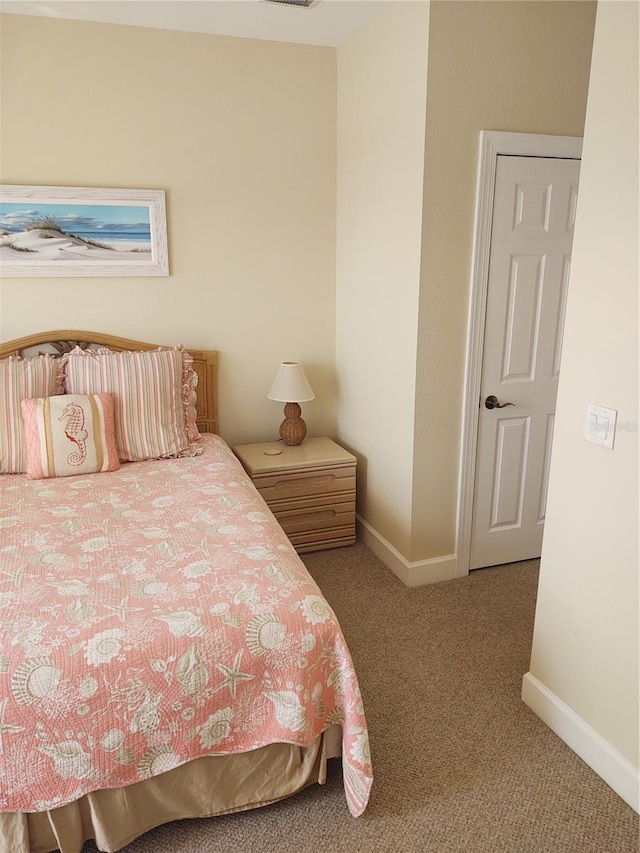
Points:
(531, 237)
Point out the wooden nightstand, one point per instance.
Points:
(311, 490)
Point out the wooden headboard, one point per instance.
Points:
(204, 362)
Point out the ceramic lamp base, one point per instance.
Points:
(292, 429)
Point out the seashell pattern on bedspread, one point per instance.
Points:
(154, 615)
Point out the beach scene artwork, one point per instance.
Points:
(74, 232)
(59, 231)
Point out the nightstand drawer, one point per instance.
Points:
(321, 481)
(324, 518)
(320, 540)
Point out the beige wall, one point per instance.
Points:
(585, 649)
(382, 77)
(508, 66)
(241, 135)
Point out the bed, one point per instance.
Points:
(164, 652)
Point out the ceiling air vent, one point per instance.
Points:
(305, 3)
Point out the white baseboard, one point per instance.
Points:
(419, 573)
(612, 767)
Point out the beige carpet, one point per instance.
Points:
(460, 763)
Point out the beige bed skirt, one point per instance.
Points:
(204, 788)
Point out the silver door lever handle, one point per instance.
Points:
(491, 402)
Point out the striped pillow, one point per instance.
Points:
(69, 434)
(147, 390)
(21, 378)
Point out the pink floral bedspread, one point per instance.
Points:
(154, 615)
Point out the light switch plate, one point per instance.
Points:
(600, 426)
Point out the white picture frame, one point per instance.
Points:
(82, 231)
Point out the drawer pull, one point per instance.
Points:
(324, 515)
(324, 480)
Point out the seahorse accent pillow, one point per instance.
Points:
(69, 434)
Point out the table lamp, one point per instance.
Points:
(291, 387)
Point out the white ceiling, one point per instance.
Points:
(327, 22)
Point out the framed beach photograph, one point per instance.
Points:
(80, 231)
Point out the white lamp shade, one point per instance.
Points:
(290, 384)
